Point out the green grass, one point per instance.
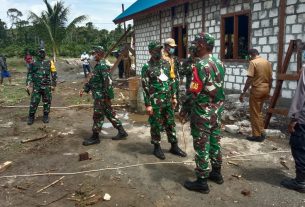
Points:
(13, 94)
(16, 63)
(76, 100)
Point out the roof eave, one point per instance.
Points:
(151, 10)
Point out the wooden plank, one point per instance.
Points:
(5, 165)
(118, 42)
(291, 77)
(282, 16)
(283, 112)
(235, 42)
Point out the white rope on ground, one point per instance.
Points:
(62, 107)
(125, 167)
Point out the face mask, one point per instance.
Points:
(171, 51)
(156, 55)
(42, 55)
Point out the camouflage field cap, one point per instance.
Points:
(205, 38)
(98, 49)
(154, 45)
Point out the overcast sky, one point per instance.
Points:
(100, 12)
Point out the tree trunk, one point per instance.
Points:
(54, 54)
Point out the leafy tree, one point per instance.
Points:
(55, 21)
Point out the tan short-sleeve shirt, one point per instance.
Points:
(260, 70)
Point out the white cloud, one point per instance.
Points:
(101, 13)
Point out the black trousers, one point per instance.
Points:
(297, 143)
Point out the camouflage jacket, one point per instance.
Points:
(186, 68)
(156, 83)
(100, 82)
(211, 72)
(42, 73)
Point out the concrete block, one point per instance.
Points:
(267, 4)
(290, 9)
(232, 78)
(255, 24)
(265, 23)
(274, 133)
(297, 29)
(236, 86)
(236, 71)
(289, 2)
(262, 40)
(239, 79)
(286, 94)
(228, 85)
(266, 48)
(257, 7)
(273, 12)
(233, 129)
(291, 19)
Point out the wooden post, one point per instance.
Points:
(203, 15)
(124, 21)
(282, 17)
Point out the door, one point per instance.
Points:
(179, 34)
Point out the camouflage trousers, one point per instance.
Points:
(162, 119)
(206, 140)
(46, 94)
(103, 108)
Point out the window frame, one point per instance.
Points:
(222, 35)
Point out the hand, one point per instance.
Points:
(174, 102)
(81, 92)
(241, 97)
(52, 88)
(28, 87)
(291, 126)
(149, 110)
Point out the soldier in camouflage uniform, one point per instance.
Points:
(168, 55)
(186, 68)
(100, 84)
(159, 98)
(42, 78)
(204, 107)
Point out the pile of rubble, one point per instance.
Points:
(236, 118)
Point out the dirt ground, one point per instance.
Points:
(148, 185)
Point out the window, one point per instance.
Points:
(235, 36)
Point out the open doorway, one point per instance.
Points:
(179, 33)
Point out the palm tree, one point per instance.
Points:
(55, 21)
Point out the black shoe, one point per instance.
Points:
(122, 134)
(293, 184)
(94, 139)
(256, 138)
(158, 152)
(200, 185)
(31, 119)
(215, 175)
(45, 118)
(177, 151)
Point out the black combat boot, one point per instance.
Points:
(200, 185)
(31, 119)
(94, 139)
(256, 138)
(158, 152)
(215, 175)
(176, 150)
(122, 134)
(297, 184)
(293, 184)
(45, 118)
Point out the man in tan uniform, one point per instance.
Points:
(260, 80)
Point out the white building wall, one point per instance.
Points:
(263, 36)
